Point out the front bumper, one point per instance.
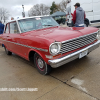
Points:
(63, 60)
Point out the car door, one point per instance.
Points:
(15, 43)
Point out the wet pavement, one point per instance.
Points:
(77, 80)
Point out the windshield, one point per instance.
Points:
(36, 23)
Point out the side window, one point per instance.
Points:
(7, 28)
(13, 28)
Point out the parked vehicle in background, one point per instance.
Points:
(60, 20)
(41, 40)
(91, 8)
(60, 17)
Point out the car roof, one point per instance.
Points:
(26, 18)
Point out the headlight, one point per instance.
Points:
(54, 48)
(98, 35)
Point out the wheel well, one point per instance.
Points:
(31, 54)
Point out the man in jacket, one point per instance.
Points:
(78, 16)
(1, 27)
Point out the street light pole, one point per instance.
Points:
(23, 13)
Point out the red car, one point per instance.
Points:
(42, 41)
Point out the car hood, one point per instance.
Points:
(64, 33)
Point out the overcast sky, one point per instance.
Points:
(15, 6)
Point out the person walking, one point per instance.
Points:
(1, 27)
(78, 16)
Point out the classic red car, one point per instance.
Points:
(42, 41)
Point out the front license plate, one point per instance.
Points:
(82, 54)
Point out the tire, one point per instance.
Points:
(7, 51)
(42, 67)
(86, 22)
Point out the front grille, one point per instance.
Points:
(77, 43)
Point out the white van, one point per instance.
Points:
(91, 8)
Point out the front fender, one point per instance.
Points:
(41, 53)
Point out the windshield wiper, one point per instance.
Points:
(47, 25)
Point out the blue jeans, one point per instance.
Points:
(2, 45)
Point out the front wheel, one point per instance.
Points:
(41, 65)
(7, 51)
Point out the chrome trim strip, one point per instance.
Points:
(78, 43)
(79, 37)
(61, 61)
(18, 26)
(45, 50)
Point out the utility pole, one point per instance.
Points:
(23, 13)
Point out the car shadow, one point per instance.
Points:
(71, 69)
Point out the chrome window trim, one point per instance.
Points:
(79, 37)
(45, 50)
(18, 26)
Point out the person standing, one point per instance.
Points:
(1, 27)
(78, 16)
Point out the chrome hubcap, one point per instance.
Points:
(40, 63)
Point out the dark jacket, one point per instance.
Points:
(79, 16)
(1, 28)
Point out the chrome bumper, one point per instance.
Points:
(63, 60)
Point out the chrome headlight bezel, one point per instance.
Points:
(58, 44)
(98, 35)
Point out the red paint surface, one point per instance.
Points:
(42, 38)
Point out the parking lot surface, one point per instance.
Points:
(77, 80)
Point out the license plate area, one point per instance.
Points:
(82, 54)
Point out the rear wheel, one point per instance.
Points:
(41, 65)
(7, 51)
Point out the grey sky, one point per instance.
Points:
(15, 6)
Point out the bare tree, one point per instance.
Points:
(4, 14)
(62, 5)
(39, 9)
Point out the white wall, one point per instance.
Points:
(91, 7)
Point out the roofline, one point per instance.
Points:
(27, 18)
